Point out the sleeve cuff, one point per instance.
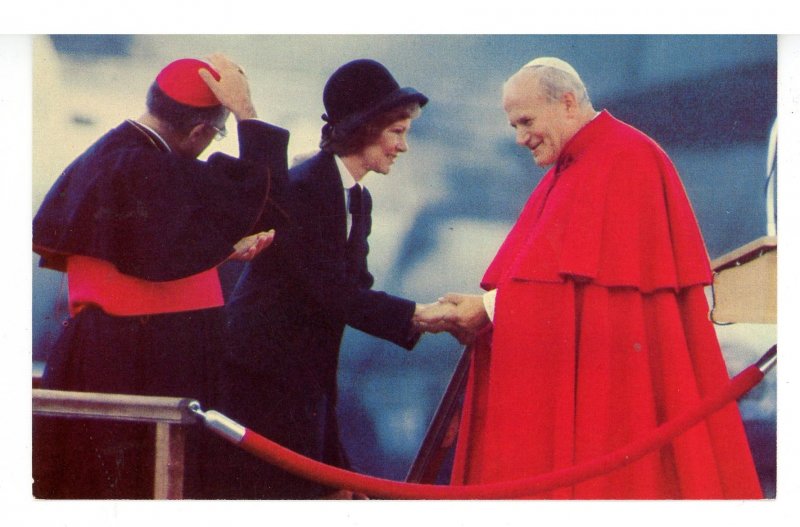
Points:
(489, 299)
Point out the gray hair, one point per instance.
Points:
(556, 78)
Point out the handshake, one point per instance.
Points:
(463, 316)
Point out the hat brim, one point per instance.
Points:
(399, 97)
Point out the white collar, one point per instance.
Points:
(348, 181)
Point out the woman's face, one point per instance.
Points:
(379, 155)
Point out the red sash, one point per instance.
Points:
(98, 282)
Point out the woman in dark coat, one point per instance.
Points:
(289, 309)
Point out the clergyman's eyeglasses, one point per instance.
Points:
(221, 133)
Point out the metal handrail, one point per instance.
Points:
(442, 431)
(170, 415)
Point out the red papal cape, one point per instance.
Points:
(601, 334)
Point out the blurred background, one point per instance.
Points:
(709, 100)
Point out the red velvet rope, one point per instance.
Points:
(383, 488)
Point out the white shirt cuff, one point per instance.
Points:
(488, 303)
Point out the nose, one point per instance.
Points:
(522, 136)
(402, 144)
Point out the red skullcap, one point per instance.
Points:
(181, 82)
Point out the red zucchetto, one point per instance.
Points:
(181, 81)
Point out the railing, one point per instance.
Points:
(443, 430)
(171, 415)
(339, 478)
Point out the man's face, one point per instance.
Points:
(202, 137)
(380, 155)
(540, 122)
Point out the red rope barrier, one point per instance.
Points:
(383, 488)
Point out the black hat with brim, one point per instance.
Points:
(362, 89)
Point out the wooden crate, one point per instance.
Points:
(746, 283)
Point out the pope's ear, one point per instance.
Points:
(570, 101)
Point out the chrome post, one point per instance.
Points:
(768, 360)
(218, 423)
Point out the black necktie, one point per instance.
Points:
(354, 205)
(354, 199)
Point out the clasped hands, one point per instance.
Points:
(461, 315)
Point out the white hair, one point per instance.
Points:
(557, 77)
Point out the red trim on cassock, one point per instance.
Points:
(601, 334)
(96, 282)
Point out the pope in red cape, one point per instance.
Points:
(594, 329)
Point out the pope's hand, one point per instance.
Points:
(468, 314)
